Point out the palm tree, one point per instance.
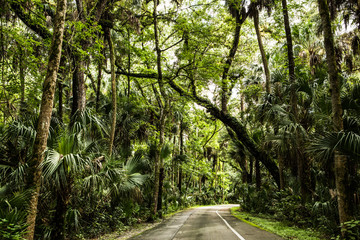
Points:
(256, 7)
(341, 171)
(64, 161)
(290, 55)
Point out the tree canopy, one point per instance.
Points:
(148, 107)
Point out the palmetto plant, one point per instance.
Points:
(68, 159)
(347, 141)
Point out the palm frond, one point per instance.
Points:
(348, 143)
(136, 164)
(165, 151)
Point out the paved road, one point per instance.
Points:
(206, 223)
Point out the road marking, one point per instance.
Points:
(227, 224)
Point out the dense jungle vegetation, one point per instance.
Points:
(115, 112)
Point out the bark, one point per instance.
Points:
(60, 111)
(129, 66)
(62, 201)
(98, 89)
(45, 115)
(181, 138)
(22, 81)
(291, 63)
(281, 172)
(251, 169)
(161, 182)
(243, 165)
(79, 90)
(341, 171)
(262, 51)
(113, 91)
(257, 174)
(303, 173)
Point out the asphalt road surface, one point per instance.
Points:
(205, 223)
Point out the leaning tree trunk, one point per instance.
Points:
(262, 51)
(225, 88)
(236, 126)
(113, 91)
(45, 115)
(341, 173)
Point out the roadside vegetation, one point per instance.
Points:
(117, 112)
(270, 223)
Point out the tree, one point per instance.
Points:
(255, 9)
(290, 55)
(113, 90)
(341, 171)
(42, 130)
(163, 105)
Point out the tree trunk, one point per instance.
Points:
(281, 172)
(251, 169)
(244, 173)
(60, 110)
(291, 66)
(181, 153)
(262, 51)
(62, 201)
(45, 115)
(257, 174)
(161, 182)
(163, 108)
(113, 91)
(303, 173)
(79, 91)
(22, 66)
(98, 89)
(129, 66)
(341, 171)
(225, 89)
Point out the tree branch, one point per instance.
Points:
(236, 126)
(31, 23)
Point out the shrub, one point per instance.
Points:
(11, 231)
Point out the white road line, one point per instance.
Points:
(227, 224)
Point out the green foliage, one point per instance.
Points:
(208, 165)
(11, 231)
(283, 229)
(350, 230)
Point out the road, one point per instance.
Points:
(205, 223)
